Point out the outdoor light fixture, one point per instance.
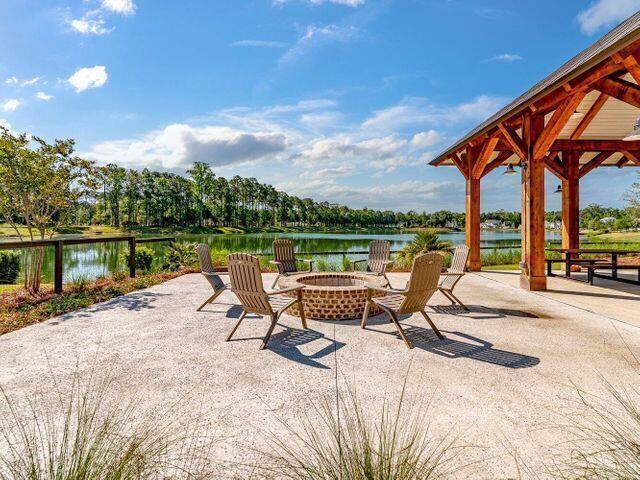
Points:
(635, 135)
(510, 170)
(559, 189)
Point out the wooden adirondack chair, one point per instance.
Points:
(210, 273)
(452, 275)
(378, 261)
(422, 284)
(246, 283)
(285, 259)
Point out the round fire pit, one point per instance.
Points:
(334, 296)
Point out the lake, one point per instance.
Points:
(91, 261)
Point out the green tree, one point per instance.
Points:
(203, 182)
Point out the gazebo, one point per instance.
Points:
(579, 118)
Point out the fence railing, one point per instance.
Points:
(59, 244)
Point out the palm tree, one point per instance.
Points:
(424, 241)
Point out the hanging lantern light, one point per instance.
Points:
(509, 170)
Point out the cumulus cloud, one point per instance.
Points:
(11, 105)
(11, 81)
(123, 7)
(606, 13)
(314, 37)
(259, 43)
(505, 57)
(43, 96)
(336, 149)
(425, 139)
(417, 111)
(88, 78)
(177, 146)
(91, 23)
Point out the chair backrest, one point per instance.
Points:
(208, 270)
(423, 282)
(283, 252)
(458, 265)
(379, 252)
(246, 283)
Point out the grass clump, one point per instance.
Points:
(347, 444)
(79, 435)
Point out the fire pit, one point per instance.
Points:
(334, 296)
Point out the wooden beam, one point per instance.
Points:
(621, 163)
(589, 116)
(496, 162)
(595, 162)
(633, 67)
(555, 166)
(571, 201)
(513, 140)
(455, 158)
(556, 123)
(632, 156)
(595, 145)
(621, 89)
(485, 155)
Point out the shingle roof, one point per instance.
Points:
(618, 38)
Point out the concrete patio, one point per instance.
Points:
(500, 379)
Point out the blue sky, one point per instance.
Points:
(338, 100)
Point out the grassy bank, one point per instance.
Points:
(616, 237)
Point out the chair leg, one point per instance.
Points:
(365, 315)
(274, 321)
(458, 301)
(209, 300)
(433, 326)
(275, 282)
(387, 279)
(394, 319)
(444, 292)
(303, 317)
(244, 314)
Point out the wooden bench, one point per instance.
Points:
(575, 261)
(591, 272)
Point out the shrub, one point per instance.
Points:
(9, 266)
(423, 242)
(144, 258)
(180, 255)
(119, 275)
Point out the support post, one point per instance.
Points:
(57, 268)
(533, 275)
(571, 201)
(472, 223)
(132, 257)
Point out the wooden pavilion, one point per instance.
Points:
(577, 119)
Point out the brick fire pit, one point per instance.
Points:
(334, 296)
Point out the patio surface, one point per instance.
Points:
(500, 379)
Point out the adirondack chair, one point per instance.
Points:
(246, 283)
(285, 259)
(422, 284)
(452, 275)
(378, 261)
(209, 272)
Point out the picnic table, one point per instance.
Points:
(571, 256)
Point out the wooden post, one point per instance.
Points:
(132, 257)
(472, 218)
(57, 268)
(533, 275)
(571, 201)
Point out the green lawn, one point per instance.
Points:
(617, 237)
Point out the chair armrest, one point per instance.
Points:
(359, 261)
(386, 290)
(286, 290)
(306, 260)
(275, 262)
(452, 274)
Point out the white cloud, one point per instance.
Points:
(314, 37)
(177, 146)
(348, 3)
(90, 24)
(11, 105)
(31, 82)
(416, 111)
(11, 81)
(43, 96)
(88, 78)
(4, 123)
(505, 57)
(340, 171)
(320, 120)
(259, 43)
(123, 7)
(425, 139)
(606, 13)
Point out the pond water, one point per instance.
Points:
(91, 261)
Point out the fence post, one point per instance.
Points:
(57, 269)
(132, 257)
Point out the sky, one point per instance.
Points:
(337, 100)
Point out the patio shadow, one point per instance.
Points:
(475, 349)
(488, 312)
(287, 344)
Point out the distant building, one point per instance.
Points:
(492, 224)
(608, 219)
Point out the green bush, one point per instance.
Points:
(9, 266)
(180, 255)
(144, 258)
